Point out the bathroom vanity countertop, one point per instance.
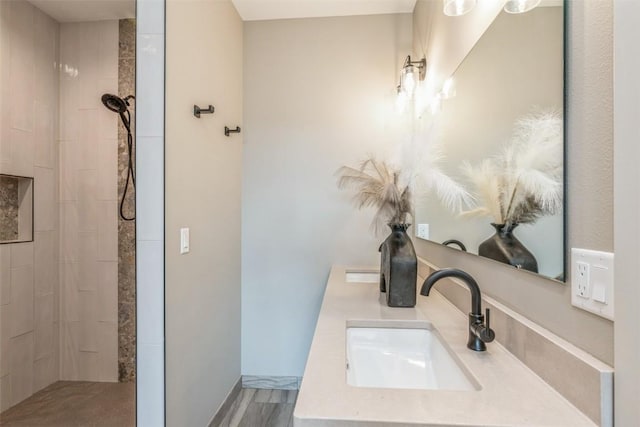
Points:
(510, 395)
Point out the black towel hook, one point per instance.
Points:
(197, 110)
(228, 131)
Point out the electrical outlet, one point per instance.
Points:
(582, 273)
(422, 231)
(592, 281)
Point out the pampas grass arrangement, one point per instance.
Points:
(378, 185)
(390, 186)
(524, 182)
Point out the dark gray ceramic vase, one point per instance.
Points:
(398, 268)
(505, 247)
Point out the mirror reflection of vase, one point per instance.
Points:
(505, 247)
(398, 267)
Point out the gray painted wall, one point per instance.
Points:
(203, 177)
(589, 122)
(318, 94)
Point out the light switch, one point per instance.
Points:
(184, 241)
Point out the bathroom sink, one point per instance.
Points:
(408, 358)
(356, 276)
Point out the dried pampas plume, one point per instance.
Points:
(524, 182)
(377, 185)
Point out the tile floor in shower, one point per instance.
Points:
(75, 404)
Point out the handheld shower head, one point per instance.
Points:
(115, 103)
(121, 107)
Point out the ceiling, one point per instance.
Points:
(86, 10)
(256, 10)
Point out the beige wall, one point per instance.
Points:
(203, 178)
(88, 202)
(627, 212)
(319, 94)
(589, 122)
(29, 291)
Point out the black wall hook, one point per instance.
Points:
(197, 110)
(228, 131)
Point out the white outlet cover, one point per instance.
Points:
(598, 296)
(422, 231)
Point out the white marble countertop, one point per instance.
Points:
(510, 395)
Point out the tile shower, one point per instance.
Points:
(67, 299)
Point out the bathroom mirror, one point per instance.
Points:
(514, 72)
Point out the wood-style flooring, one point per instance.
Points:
(92, 404)
(76, 404)
(261, 408)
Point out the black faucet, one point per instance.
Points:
(479, 332)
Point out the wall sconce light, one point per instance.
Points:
(458, 7)
(520, 6)
(412, 72)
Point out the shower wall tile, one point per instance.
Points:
(68, 161)
(108, 351)
(21, 254)
(88, 366)
(87, 182)
(5, 392)
(29, 285)
(87, 216)
(5, 275)
(108, 231)
(45, 372)
(44, 135)
(88, 196)
(108, 170)
(68, 232)
(22, 66)
(45, 198)
(22, 300)
(21, 367)
(69, 352)
(70, 297)
(5, 337)
(107, 295)
(44, 333)
(22, 154)
(45, 263)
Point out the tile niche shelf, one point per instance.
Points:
(16, 209)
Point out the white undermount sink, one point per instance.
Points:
(407, 358)
(361, 276)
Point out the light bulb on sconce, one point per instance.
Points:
(520, 6)
(458, 7)
(412, 72)
(408, 80)
(401, 100)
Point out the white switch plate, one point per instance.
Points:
(592, 281)
(423, 231)
(184, 241)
